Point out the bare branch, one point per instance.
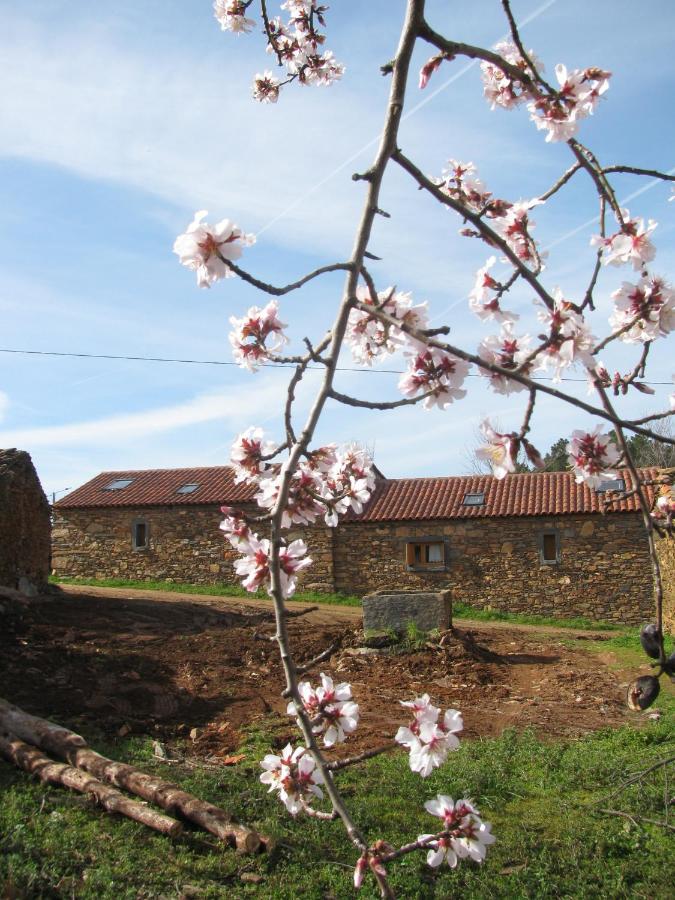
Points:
(280, 291)
(360, 757)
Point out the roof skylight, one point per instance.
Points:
(612, 484)
(118, 484)
(477, 499)
(187, 489)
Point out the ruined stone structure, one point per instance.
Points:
(529, 543)
(665, 550)
(24, 524)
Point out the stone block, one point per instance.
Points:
(383, 610)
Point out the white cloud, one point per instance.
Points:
(4, 404)
(237, 407)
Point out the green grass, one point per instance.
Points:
(464, 611)
(541, 798)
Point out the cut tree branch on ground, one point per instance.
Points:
(72, 747)
(36, 763)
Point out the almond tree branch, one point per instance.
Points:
(514, 375)
(646, 517)
(489, 234)
(413, 19)
(280, 291)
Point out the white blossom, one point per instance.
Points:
(592, 456)
(205, 249)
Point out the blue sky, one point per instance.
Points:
(119, 120)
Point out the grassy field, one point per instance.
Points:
(543, 800)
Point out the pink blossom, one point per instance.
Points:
(501, 450)
(294, 776)
(205, 248)
(254, 567)
(231, 15)
(235, 529)
(461, 183)
(253, 332)
(370, 338)
(266, 87)
(331, 707)
(499, 87)
(484, 299)
(631, 244)
(592, 455)
(246, 456)
(514, 226)
(427, 741)
(577, 96)
(467, 835)
(649, 305)
(433, 370)
(508, 351)
(569, 338)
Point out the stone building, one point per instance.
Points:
(537, 543)
(24, 524)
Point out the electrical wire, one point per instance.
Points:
(222, 362)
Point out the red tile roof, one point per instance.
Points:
(537, 494)
(541, 494)
(158, 487)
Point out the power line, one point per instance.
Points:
(223, 362)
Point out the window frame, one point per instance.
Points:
(541, 540)
(135, 546)
(426, 540)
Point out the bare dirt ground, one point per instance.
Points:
(123, 661)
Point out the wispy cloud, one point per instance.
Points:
(237, 408)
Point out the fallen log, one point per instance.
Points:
(73, 748)
(50, 772)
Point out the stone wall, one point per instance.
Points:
(603, 570)
(184, 545)
(24, 524)
(665, 550)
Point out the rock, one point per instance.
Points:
(389, 611)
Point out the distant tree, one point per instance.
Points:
(555, 460)
(647, 452)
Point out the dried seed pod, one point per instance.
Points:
(651, 640)
(643, 692)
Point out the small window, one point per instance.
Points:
(118, 484)
(187, 489)
(425, 555)
(474, 499)
(612, 484)
(140, 535)
(549, 547)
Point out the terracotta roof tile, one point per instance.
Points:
(158, 487)
(540, 494)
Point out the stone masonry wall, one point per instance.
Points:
(603, 570)
(185, 545)
(665, 550)
(24, 524)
